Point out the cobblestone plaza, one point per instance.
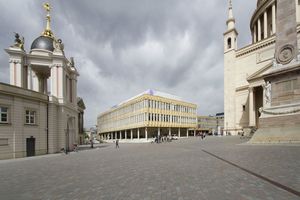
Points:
(214, 168)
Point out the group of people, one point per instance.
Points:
(66, 150)
(160, 139)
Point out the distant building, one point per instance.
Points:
(40, 111)
(211, 124)
(148, 115)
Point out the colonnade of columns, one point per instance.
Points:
(158, 132)
(262, 25)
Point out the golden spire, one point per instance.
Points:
(47, 32)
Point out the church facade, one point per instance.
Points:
(40, 111)
(245, 90)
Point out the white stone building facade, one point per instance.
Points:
(244, 87)
(40, 110)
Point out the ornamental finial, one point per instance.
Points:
(230, 4)
(47, 32)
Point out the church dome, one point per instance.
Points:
(259, 2)
(44, 43)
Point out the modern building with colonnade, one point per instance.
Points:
(148, 115)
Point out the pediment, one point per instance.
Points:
(260, 73)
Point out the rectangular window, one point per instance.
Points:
(3, 115)
(3, 142)
(30, 117)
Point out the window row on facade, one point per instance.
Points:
(146, 117)
(169, 106)
(30, 116)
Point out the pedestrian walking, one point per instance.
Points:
(92, 144)
(75, 148)
(117, 143)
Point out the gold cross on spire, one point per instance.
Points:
(47, 32)
(47, 7)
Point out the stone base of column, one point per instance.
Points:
(278, 129)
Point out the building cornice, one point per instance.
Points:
(23, 93)
(253, 47)
(230, 20)
(245, 87)
(231, 30)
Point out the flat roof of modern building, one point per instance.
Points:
(150, 92)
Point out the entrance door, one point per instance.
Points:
(30, 146)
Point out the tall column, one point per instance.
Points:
(41, 83)
(187, 133)
(178, 132)
(158, 133)
(116, 136)
(169, 131)
(254, 34)
(16, 72)
(146, 133)
(194, 133)
(265, 24)
(45, 89)
(120, 135)
(74, 89)
(111, 136)
(138, 133)
(258, 30)
(53, 80)
(131, 134)
(273, 19)
(251, 107)
(125, 134)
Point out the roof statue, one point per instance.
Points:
(19, 42)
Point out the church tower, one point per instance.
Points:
(230, 47)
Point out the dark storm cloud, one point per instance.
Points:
(122, 48)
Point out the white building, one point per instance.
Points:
(40, 112)
(148, 115)
(244, 67)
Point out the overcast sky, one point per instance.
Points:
(124, 47)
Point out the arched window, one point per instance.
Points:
(229, 43)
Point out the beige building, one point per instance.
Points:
(244, 68)
(40, 112)
(148, 115)
(212, 125)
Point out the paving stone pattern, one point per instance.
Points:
(177, 170)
